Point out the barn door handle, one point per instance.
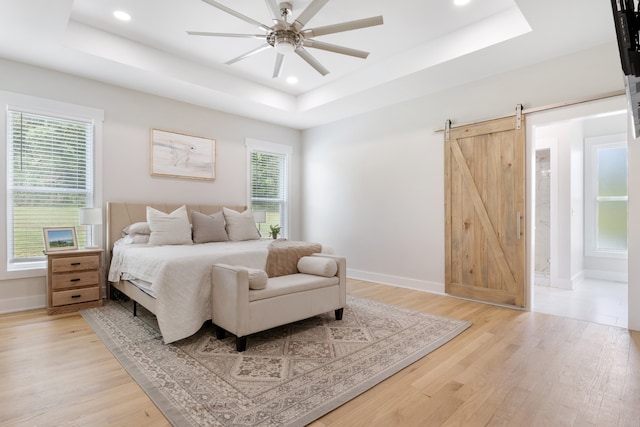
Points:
(518, 219)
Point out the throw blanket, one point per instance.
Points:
(284, 255)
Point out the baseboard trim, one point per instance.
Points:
(614, 276)
(397, 281)
(13, 305)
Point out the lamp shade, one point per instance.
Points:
(90, 216)
(260, 216)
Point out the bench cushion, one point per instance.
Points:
(292, 283)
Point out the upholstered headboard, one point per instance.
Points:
(122, 214)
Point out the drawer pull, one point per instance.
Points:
(74, 280)
(75, 263)
(76, 296)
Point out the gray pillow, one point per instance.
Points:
(208, 228)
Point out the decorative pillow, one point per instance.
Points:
(257, 279)
(283, 256)
(169, 229)
(319, 266)
(136, 228)
(208, 228)
(240, 226)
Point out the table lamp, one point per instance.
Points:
(91, 217)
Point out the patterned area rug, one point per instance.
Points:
(289, 376)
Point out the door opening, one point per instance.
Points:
(572, 283)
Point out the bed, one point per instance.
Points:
(174, 281)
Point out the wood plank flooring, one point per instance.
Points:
(511, 368)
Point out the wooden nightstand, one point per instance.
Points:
(74, 280)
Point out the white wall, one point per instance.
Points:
(373, 184)
(374, 189)
(564, 265)
(129, 116)
(634, 233)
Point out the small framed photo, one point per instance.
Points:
(60, 239)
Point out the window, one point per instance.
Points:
(606, 196)
(268, 183)
(50, 170)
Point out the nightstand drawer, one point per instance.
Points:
(74, 280)
(74, 296)
(89, 262)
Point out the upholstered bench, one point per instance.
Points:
(318, 287)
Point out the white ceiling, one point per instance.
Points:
(412, 54)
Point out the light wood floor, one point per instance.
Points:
(510, 368)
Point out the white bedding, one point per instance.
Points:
(180, 277)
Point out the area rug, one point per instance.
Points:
(288, 376)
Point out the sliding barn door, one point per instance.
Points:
(485, 206)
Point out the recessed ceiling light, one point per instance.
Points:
(461, 2)
(292, 80)
(122, 15)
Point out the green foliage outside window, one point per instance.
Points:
(268, 188)
(49, 178)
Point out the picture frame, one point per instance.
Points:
(60, 239)
(179, 155)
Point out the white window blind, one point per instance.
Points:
(49, 177)
(269, 189)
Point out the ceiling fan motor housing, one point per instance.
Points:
(285, 41)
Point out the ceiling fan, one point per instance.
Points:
(286, 37)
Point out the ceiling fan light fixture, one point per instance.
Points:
(284, 41)
(285, 46)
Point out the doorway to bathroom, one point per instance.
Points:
(579, 258)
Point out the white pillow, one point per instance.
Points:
(136, 228)
(317, 265)
(169, 229)
(240, 226)
(257, 278)
(133, 239)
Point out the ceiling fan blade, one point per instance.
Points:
(344, 26)
(274, 8)
(248, 54)
(309, 13)
(335, 48)
(279, 64)
(237, 14)
(244, 36)
(302, 53)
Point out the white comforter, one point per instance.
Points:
(180, 277)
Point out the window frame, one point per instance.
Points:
(286, 151)
(592, 200)
(55, 109)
